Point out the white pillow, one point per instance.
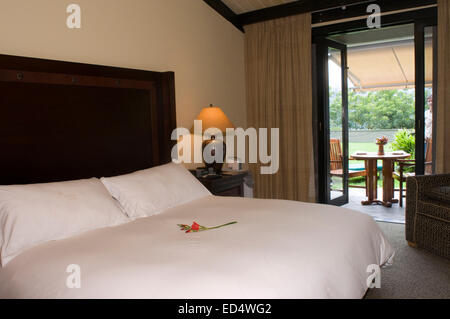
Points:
(151, 191)
(33, 214)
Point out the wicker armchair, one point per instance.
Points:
(428, 213)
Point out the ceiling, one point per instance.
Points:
(242, 6)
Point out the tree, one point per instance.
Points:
(385, 109)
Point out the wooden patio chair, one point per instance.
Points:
(401, 174)
(336, 164)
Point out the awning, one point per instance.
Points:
(385, 66)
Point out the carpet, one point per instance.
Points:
(415, 273)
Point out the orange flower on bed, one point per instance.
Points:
(197, 227)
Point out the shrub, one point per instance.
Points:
(404, 141)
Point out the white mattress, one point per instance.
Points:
(278, 249)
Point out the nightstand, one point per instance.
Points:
(230, 183)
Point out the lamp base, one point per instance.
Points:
(215, 144)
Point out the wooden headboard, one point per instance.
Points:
(64, 121)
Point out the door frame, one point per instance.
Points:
(419, 45)
(428, 17)
(321, 45)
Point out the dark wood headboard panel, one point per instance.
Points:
(64, 121)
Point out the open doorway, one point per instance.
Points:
(379, 94)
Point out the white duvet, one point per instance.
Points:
(278, 249)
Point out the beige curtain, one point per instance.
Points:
(279, 95)
(443, 122)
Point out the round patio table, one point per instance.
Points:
(388, 182)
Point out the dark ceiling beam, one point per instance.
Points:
(293, 8)
(360, 9)
(429, 15)
(225, 12)
(322, 10)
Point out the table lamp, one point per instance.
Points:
(214, 117)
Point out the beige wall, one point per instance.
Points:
(204, 50)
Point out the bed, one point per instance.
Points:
(278, 249)
(113, 121)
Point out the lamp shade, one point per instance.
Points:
(213, 116)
